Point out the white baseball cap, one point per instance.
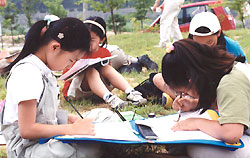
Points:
(204, 19)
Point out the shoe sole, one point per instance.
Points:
(137, 103)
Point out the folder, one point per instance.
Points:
(122, 132)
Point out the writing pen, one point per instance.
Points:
(123, 119)
(66, 98)
(134, 115)
(179, 115)
(120, 115)
(179, 111)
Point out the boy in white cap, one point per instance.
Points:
(205, 28)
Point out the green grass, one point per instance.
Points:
(3, 153)
(243, 37)
(137, 44)
(2, 88)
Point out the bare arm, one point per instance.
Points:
(157, 2)
(162, 6)
(230, 133)
(29, 129)
(160, 83)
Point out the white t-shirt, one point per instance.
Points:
(25, 83)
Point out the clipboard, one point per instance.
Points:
(116, 130)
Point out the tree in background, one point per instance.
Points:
(9, 13)
(105, 6)
(55, 7)
(28, 7)
(142, 7)
(237, 5)
(120, 22)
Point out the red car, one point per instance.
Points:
(189, 10)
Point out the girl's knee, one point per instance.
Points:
(91, 72)
(106, 70)
(88, 150)
(51, 149)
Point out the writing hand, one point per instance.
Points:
(83, 126)
(185, 103)
(72, 118)
(189, 124)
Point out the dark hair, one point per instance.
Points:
(96, 29)
(221, 40)
(196, 65)
(75, 37)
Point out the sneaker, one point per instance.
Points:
(136, 97)
(115, 102)
(132, 67)
(147, 62)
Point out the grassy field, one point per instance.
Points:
(137, 44)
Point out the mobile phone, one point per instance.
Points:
(146, 132)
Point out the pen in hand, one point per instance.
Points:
(73, 107)
(179, 111)
(179, 115)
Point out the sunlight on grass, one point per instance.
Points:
(136, 44)
(243, 37)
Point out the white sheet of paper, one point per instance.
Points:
(162, 127)
(112, 130)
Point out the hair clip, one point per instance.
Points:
(169, 48)
(60, 35)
